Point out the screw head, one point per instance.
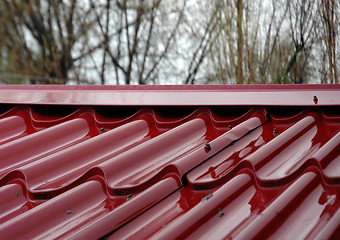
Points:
(69, 212)
(129, 196)
(220, 212)
(207, 147)
(275, 131)
(315, 99)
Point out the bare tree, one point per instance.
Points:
(239, 68)
(273, 42)
(274, 51)
(135, 40)
(233, 52)
(222, 56)
(156, 41)
(329, 19)
(302, 27)
(203, 47)
(41, 35)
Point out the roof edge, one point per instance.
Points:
(174, 95)
(231, 87)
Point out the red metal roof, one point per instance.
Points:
(146, 164)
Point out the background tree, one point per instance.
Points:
(302, 26)
(273, 42)
(166, 42)
(137, 36)
(329, 18)
(40, 36)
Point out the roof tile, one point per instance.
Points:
(169, 172)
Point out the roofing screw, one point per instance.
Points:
(230, 127)
(275, 131)
(206, 197)
(129, 196)
(102, 130)
(207, 147)
(315, 99)
(69, 212)
(46, 181)
(17, 194)
(220, 212)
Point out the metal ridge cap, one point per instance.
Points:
(272, 95)
(222, 88)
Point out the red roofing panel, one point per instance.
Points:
(169, 171)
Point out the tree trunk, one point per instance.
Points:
(239, 71)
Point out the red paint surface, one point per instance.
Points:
(145, 172)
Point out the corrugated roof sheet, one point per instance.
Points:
(164, 172)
